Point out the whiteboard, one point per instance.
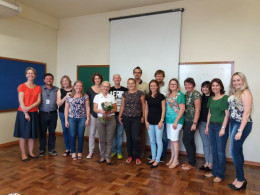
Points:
(206, 71)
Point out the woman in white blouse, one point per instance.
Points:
(105, 107)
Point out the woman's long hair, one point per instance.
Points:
(73, 90)
(158, 88)
(65, 77)
(232, 90)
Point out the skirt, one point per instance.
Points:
(27, 129)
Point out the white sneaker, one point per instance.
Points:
(90, 155)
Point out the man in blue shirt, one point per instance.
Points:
(48, 115)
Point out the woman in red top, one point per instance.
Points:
(27, 120)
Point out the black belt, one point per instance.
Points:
(55, 111)
(213, 123)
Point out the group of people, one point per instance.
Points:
(160, 108)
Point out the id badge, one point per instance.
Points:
(47, 101)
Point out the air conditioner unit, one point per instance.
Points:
(9, 9)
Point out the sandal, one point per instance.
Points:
(174, 165)
(188, 167)
(66, 153)
(79, 156)
(74, 157)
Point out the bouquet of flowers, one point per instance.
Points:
(106, 106)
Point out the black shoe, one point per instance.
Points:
(207, 169)
(154, 166)
(53, 153)
(162, 159)
(149, 158)
(42, 153)
(25, 160)
(230, 185)
(101, 161)
(243, 187)
(150, 163)
(109, 163)
(34, 157)
(203, 168)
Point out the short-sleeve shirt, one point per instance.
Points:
(217, 109)
(190, 105)
(100, 98)
(77, 106)
(154, 108)
(133, 104)
(173, 107)
(118, 94)
(142, 86)
(30, 96)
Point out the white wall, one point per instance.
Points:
(30, 36)
(216, 30)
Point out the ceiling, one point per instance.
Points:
(74, 8)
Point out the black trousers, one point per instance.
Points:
(48, 121)
(189, 143)
(132, 126)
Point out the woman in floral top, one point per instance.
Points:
(240, 125)
(77, 117)
(175, 107)
(131, 115)
(191, 117)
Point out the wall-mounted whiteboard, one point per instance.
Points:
(203, 71)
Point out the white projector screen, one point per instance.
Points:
(151, 42)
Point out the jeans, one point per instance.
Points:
(118, 138)
(206, 143)
(48, 121)
(77, 127)
(65, 130)
(236, 146)
(189, 143)
(106, 132)
(132, 127)
(218, 145)
(155, 135)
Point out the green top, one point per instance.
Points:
(190, 106)
(217, 109)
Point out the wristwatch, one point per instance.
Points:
(239, 130)
(194, 123)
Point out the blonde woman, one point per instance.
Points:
(62, 94)
(175, 107)
(27, 119)
(77, 114)
(240, 107)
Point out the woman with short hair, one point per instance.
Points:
(105, 107)
(27, 119)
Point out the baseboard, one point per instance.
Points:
(252, 163)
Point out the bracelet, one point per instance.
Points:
(240, 130)
(223, 127)
(162, 120)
